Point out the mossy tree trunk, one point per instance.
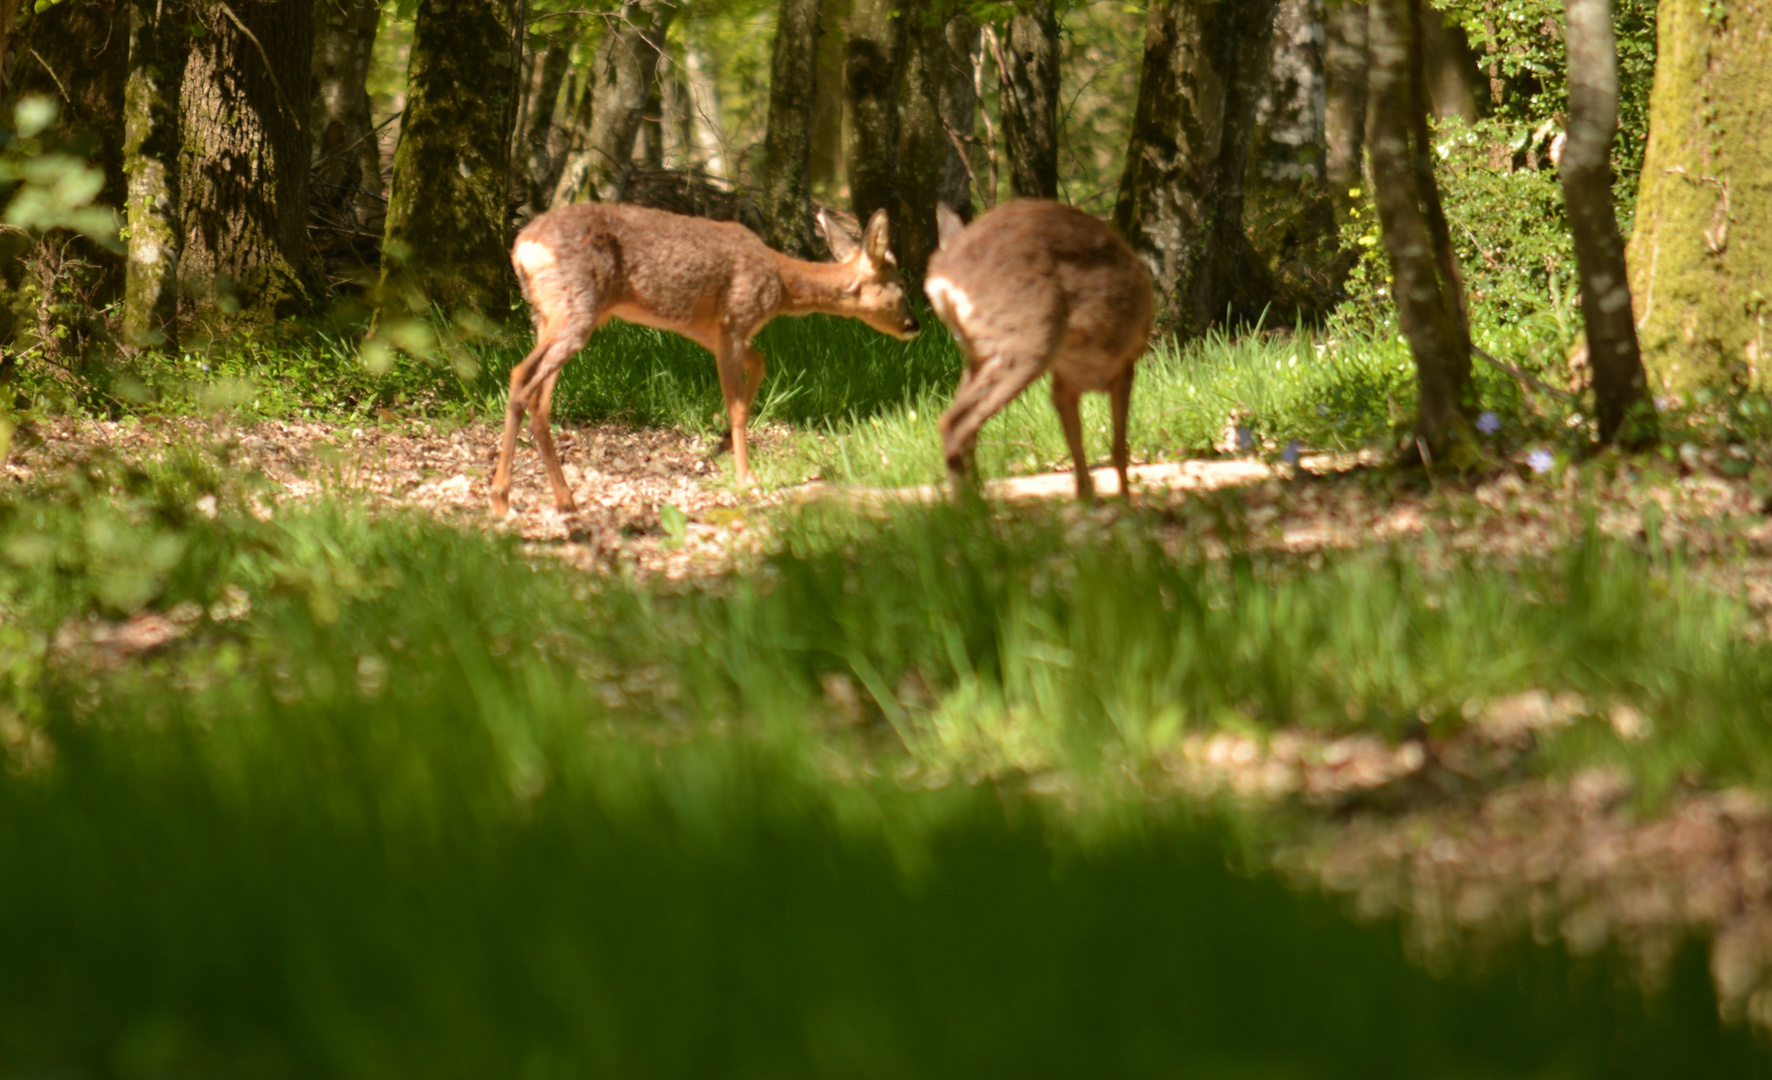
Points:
(346, 178)
(1701, 249)
(827, 109)
(158, 43)
(938, 107)
(1425, 283)
(623, 73)
(1621, 396)
(447, 213)
(1028, 77)
(243, 161)
(872, 58)
(1344, 111)
(1181, 196)
(786, 195)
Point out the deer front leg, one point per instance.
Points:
(1121, 396)
(539, 411)
(733, 363)
(1065, 399)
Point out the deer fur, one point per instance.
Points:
(1034, 286)
(713, 282)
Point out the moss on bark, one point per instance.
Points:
(447, 213)
(1701, 254)
(786, 195)
(157, 50)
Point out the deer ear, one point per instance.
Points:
(947, 225)
(876, 242)
(834, 237)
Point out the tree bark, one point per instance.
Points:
(827, 108)
(1344, 113)
(872, 58)
(243, 161)
(1621, 396)
(158, 45)
(1455, 80)
(622, 75)
(938, 107)
(1425, 282)
(536, 138)
(1181, 196)
(448, 212)
(1028, 74)
(1701, 250)
(346, 175)
(786, 195)
(1288, 174)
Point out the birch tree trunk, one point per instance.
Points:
(158, 43)
(448, 212)
(346, 175)
(1701, 250)
(1425, 281)
(938, 107)
(1621, 395)
(871, 61)
(1344, 113)
(1288, 174)
(622, 76)
(1181, 196)
(1028, 74)
(786, 195)
(243, 163)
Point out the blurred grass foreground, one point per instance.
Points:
(401, 801)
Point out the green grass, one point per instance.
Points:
(435, 808)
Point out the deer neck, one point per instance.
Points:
(809, 287)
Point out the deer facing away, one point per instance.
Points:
(716, 283)
(1034, 286)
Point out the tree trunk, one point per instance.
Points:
(1455, 81)
(158, 44)
(1287, 185)
(1344, 113)
(1028, 74)
(448, 213)
(1181, 196)
(786, 195)
(622, 75)
(827, 109)
(872, 58)
(937, 110)
(536, 138)
(1701, 250)
(1620, 391)
(243, 164)
(346, 176)
(1425, 283)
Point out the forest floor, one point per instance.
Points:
(1467, 838)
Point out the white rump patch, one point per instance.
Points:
(949, 301)
(533, 256)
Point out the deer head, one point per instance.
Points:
(874, 285)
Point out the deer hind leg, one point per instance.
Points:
(991, 386)
(1120, 393)
(544, 441)
(1065, 399)
(538, 370)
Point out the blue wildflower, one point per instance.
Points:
(1488, 423)
(1540, 461)
(1290, 454)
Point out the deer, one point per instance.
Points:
(1034, 286)
(714, 282)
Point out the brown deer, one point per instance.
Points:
(1030, 287)
(714, 282)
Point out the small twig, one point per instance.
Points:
(1526, 381)
(67, 97)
